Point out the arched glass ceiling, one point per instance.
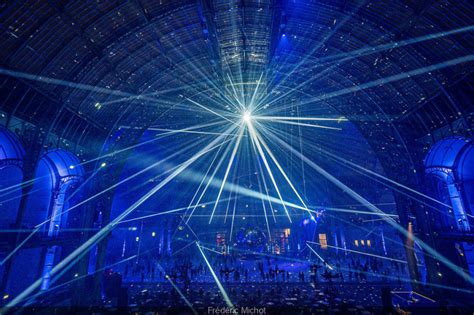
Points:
(388, 66)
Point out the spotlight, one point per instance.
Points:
(246, 117)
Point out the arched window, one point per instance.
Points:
(58, 174)
(450, 176)
(449, 169)
(11, 176)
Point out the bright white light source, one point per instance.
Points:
(246, 117)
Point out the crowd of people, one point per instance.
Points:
(352, 298)
(265, 268)
(345, 281)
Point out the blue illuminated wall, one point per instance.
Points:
(11, 175)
